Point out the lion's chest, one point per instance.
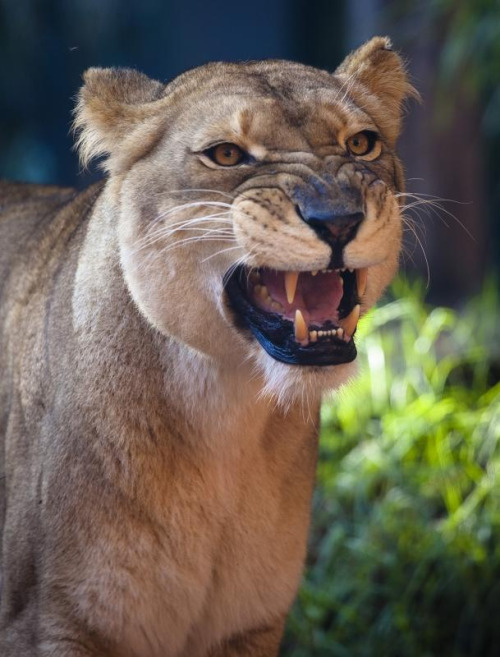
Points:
(231, 552)
(257, 557)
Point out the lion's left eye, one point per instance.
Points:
(362, 143)
(226, 155)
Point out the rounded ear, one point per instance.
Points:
(111, 104)
(376, 78)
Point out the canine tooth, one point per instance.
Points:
(341, 281)
(361, 278)
(291, 279)
(300, 327)
(350, 322)
(313, 336)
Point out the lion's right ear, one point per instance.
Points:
(111, 106)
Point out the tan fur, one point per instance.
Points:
(158, 463)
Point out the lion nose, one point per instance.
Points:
(337, 224)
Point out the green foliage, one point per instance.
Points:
(405, 547)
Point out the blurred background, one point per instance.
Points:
(405, 547)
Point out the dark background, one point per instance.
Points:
(450, 143)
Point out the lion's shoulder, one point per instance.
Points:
(35, 218)
(21, 198)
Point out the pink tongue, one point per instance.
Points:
(318, 295)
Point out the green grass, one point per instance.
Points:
(405, 545)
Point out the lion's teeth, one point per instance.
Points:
(291, 279)
(340, 332)
(254, 276)
(350, 322)
(313, 336)
(315, 272)
(361, 278)
(300, 327)
(264, 292)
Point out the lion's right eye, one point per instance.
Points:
(226, 155)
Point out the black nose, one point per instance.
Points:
(342, 226)
(335, 225)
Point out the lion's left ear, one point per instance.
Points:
(110, 112)
(375, 77)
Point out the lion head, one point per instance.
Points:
(257, 204)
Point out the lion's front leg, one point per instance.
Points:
(70, 648)
(21, 644)
(262, 642)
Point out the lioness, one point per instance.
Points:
(166, 336)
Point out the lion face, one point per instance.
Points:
(257, 204)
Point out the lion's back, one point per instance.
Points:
(38, 225)
(25, 208)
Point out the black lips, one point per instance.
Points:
(276, 334)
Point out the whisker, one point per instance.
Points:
(412, 229)
(434, 205)
(198, 220)
(165, 231)
(192, 204)
(430, 196)
(188, 240)
(240, 261)
(197, 190)
(213, 255)
(159, 237)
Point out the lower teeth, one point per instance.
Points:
(314, 335)
(302, 334)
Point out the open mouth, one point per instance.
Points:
(300, 318)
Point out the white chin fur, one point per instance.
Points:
(289, 384)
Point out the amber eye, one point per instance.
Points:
(362, 143)
(226, 155)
